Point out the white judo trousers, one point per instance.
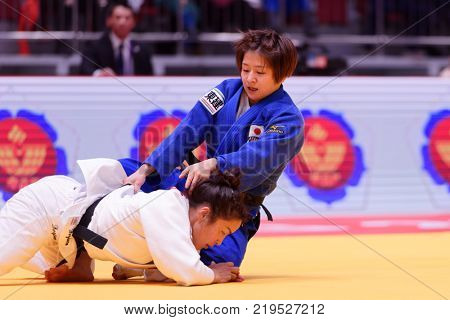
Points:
(30, 223)
(143, 230)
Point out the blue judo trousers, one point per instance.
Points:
(260, 143)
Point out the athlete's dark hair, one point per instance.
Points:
(278, 50)
(221, 193)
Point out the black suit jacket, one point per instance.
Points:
(100, 54)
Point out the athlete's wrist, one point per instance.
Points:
(213, 163)
(146, 169)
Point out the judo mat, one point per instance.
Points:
(332, 265)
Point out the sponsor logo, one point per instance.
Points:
(27, 151)
(329, 161)
(68, 237)
(275, 129)
(54, 229)
(436, 152)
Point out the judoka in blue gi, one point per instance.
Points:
(250, 123)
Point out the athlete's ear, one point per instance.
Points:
(205, 212)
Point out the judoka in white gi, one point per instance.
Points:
(164, 229)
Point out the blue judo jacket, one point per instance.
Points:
(260, 143)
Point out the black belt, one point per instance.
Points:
(256, 201)
(82, 233)
(191, 158)
(267, 212)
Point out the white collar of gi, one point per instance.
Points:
(244, 102)
(116, 41)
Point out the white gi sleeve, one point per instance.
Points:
(165, 221)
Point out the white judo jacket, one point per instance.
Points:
(143, 230)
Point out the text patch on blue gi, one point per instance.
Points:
(213, 101)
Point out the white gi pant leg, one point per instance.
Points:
(23, 231)
(37, 264)
(29, 224)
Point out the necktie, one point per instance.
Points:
(119, 60)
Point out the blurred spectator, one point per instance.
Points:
(190, 17)
(332, 12)
(8, 22)
(189, 13)
(156, 15)
(29, 15)
(257, 4)
(445, 72)
(20, 15)
(222, 3)
(275, 15)
(115, 53)
(230, 15)
(316, 61)
(135, 5)
(8, 14)
(295, 12)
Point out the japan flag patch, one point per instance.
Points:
(255, 132)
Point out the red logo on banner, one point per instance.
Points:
(26, 154)
(156, 131)
(439, 148)
(327, 158)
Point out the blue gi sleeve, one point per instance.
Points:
(259, 160)
(189, 134)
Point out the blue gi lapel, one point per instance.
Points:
(227, 117)
(238, 132)
(232, 107)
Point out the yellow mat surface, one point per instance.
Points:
(401, 266)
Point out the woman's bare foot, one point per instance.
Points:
(154, 275)
(124, 273)
(81, 271)
(150, 275)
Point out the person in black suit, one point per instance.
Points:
(115, 53)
